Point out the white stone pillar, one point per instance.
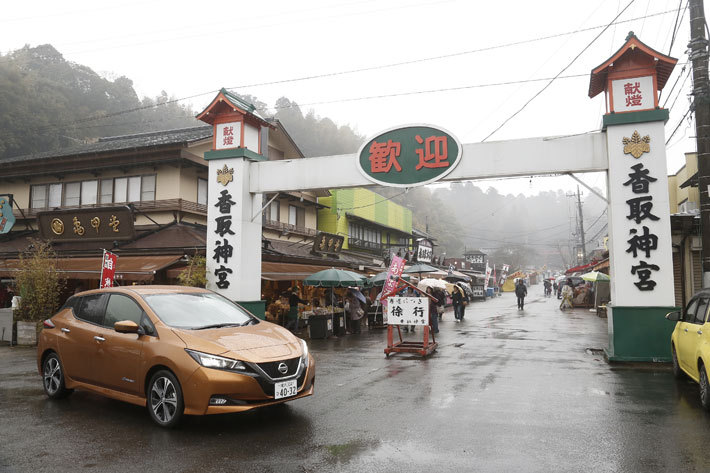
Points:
(624, 289)
(233, 239)
(640, 249)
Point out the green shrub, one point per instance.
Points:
(195, 274)
(39, 283)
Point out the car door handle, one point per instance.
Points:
(99, 339)
(700, 332)
(65, 330)
(686, 329)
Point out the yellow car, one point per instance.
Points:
(690, 343)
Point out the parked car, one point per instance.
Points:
(176, 350)
(690, 350)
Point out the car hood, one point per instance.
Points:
(255, 343)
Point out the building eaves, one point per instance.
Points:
(182, 136)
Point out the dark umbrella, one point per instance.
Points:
(334, 278)
(420, 268)
(380, 278)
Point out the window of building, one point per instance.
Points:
(201, 191)
(274, 211)
(72, 194)
(300, 217)
(363, 233)
(55, 196)
(91, 192)
(134, 189)
(292, 214)
(106, 191)
(39, 197)
(147, 188)
(120, 188)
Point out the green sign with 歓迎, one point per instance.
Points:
(409, 156)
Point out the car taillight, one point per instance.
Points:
(48, 324)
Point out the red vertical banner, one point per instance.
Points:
(108, 269)
(393, 274)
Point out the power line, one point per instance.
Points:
(559, 73)
(352, 71)
(678, 125)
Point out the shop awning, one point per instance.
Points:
(128, 268)
(272, 271)
(581, 269)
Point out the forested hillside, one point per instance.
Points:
(47, 102)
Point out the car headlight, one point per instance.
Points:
(216, 362)
(304, 356)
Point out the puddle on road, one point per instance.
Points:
(377, 452)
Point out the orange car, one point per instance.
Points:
(176, 349)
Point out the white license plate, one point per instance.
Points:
(285, 389)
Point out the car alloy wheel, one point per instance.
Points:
(704, 387)
(53, 377)
(165, 399)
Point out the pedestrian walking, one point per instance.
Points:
(355, 313)
(293, 301)
(433, 315)
(441, 304)
(457, 299)
(521, 291)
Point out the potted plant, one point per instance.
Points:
(40, 286)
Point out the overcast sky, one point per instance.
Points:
(191, 48)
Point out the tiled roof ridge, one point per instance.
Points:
(104, 139)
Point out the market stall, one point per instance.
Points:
(330, 319)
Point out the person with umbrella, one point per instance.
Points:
(355, 310)
(433, 316)
(457, 300)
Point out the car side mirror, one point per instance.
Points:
(126, 326)
(673, 316)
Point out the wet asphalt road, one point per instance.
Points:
(507, 391)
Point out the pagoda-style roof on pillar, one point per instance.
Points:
(633, 55)
(226, 103)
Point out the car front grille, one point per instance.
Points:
(272, 368)
(268, 387)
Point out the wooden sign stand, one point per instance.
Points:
(423, 348)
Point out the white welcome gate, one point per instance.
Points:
(631, 149)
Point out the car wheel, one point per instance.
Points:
(165, 403)
(677, 372)
(704, 387)
(53, 377)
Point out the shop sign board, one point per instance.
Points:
(7, 219)
(108, 269)
(409, 156)
(327, 243)
(425, 251)
(407, 311)
(89, 224)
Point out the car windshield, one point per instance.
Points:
(196, 311)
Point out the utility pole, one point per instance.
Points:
(581, 226)
(701, 105)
